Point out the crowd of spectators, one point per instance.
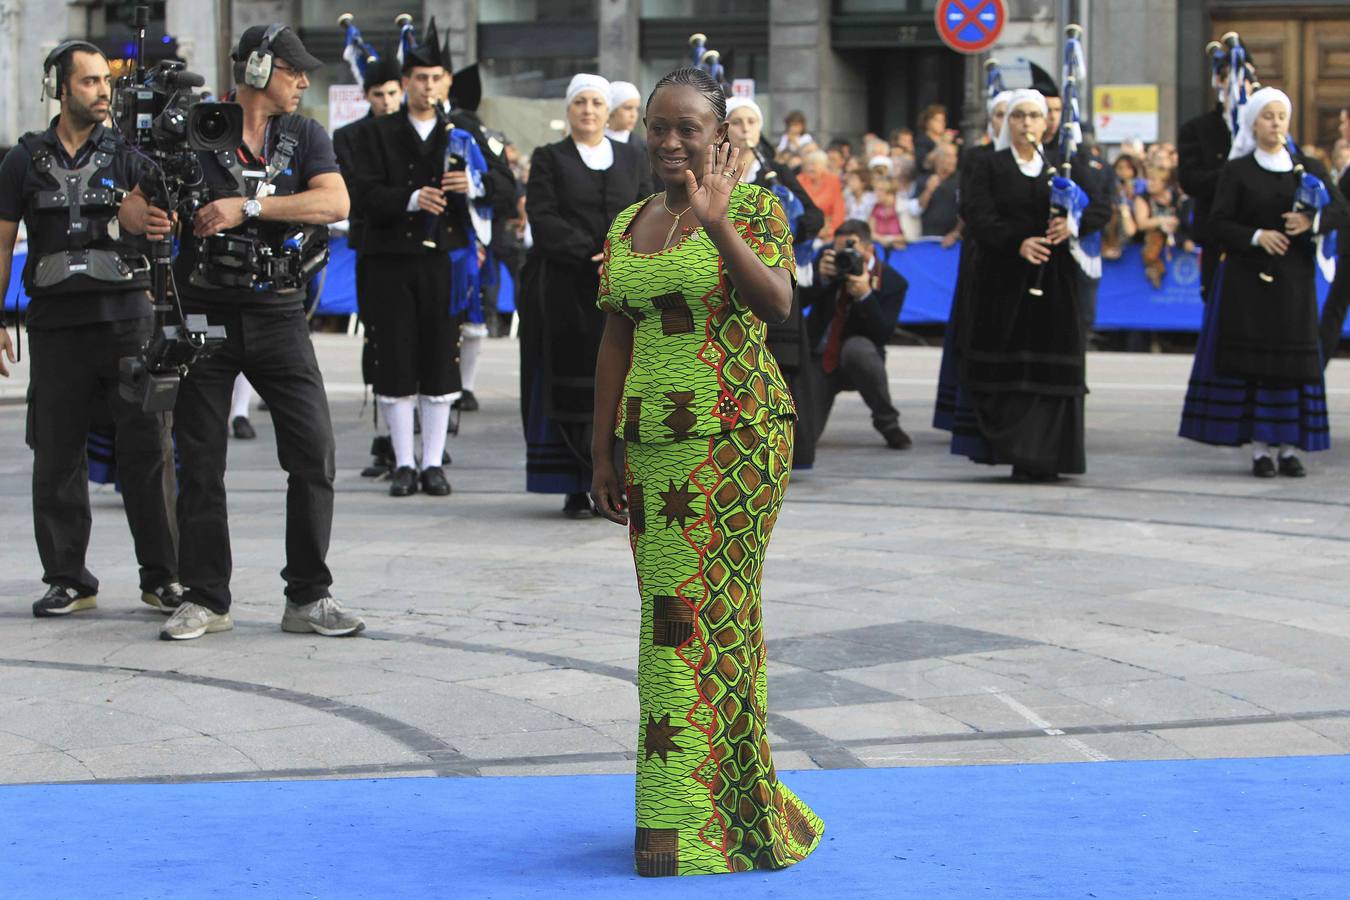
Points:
(905, 187)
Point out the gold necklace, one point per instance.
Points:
(676, 224)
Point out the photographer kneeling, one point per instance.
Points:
(244, 261)
(855, 305)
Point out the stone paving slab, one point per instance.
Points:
(920, 610)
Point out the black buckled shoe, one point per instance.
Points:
(1264, 467)
(404, 482)
(467, 402)
(382, 463)
(62, 601)
(434, 482)
(578, 506)
(896, 438)
(243, 429)
(1291, 467)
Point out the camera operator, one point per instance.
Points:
(283, 175)
(90, 307)
(855, 305)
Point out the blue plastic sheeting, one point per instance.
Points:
(339, 284)
(1236, 829)
(1126, 300)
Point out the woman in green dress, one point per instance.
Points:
(689, 278)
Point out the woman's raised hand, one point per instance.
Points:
(710, 199)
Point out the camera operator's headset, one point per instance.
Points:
(258, 68)
(53, 74)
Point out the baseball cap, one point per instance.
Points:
(286, 45)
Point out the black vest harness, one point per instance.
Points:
(262, 256)
(79, 215)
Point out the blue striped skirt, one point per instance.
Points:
(1230, 412)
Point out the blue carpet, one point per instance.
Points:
(1266, 828)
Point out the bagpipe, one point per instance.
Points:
(358, 53)
(707, 59)
(1067, 198)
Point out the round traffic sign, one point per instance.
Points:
(970, 26)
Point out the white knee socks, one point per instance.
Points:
(470, 346)
(435, 420)
(242, 398)
(398, 415)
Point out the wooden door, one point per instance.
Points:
(1308, 58)
(1326, 80)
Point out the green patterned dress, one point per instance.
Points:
(707, 423)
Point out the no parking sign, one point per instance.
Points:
(970, 26)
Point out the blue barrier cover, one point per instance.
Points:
(1125, 299)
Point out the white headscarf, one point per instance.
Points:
(1244, 144)
(1016, 99)
(583, 82)
(620, 92)
(999, 99)
(735, 103)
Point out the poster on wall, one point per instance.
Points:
(346, 104)
(1122, 112)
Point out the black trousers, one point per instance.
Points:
(415, 342)
(273, 350)
(861, 368)
(73, 369)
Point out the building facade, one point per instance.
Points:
(850, 65)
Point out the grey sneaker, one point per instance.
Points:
(192, 620)
(165, 598)
(325, 616)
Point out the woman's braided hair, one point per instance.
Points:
(700, 81)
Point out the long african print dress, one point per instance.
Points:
(707, 423)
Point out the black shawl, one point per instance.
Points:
(570, 207)
(1268, 304)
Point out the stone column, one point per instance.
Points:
(798, 30)
(619, 40)
(458, 19)
(202, 43)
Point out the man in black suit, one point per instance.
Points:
(853, 315)
(419, 254)
(384, 92)
(1202, 146)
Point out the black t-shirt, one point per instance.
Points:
(313, 156)
(19, 182)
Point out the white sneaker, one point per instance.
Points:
(192, 620)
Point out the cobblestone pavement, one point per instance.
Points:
(920, 610)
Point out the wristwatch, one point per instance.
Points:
(252, 208)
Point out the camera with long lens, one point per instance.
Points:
(849, 260)
(161, 115)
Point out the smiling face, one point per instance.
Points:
(587, 114)
(680, 127)
(1272, 126)
(88, 90)
(744, 127)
